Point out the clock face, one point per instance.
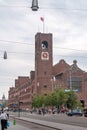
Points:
(45, 56)
(44, 45)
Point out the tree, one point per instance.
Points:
(37, 101)
(72, 100)
(48, 99)
(62, 97)
(59, 97)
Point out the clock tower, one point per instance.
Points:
(43, 63)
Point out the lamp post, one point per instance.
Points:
(34, 6)
(5, 55)
(70, 77)
(19, 103)
(52, 82)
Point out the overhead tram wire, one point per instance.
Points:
(45, 8)
(15, 42)
(58, 55)
(66, 9)
(15, 6)
(72, 49)
(31, 44)
(71, 56)
(25, 53)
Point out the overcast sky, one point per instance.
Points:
(65, 19)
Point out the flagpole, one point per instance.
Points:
(43, 26)
(42, 19)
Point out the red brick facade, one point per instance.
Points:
(46, 77)
(43, 63)
(71, 77)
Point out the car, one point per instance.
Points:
(85, 112)
(76, 112)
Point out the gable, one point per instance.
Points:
(60, 67)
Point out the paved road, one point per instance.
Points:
(53, 120)
(53, 125)
(60, 118)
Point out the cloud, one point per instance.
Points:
(66, 20)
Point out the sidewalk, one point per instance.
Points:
(16, 127)
(54, 125)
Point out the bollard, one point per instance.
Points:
(14, 122)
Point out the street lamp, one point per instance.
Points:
(34, 6)
(70, 77)
(52, 82)
(5, 55)
(19, 103)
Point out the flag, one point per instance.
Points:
(42, 19)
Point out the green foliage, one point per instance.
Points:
(37, 101)
(79, 105)
(72, 100)
(57, 98)
(62, 97)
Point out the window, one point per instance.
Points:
(45, 86)
(44, 44)
(76, 83)
(45, 73)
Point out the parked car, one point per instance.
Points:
(85, 112)
(76, 112)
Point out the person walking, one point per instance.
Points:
(3, 118)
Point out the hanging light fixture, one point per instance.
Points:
(34, 6)
(5, 55)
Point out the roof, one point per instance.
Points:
(60, 67)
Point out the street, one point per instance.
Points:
(59, 118)
(62, 119)
(24, 124)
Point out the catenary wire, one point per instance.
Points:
(47, 8)
(56, 47)
(60, 8)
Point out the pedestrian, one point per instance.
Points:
(43, 111)
(3, 118)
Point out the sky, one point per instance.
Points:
(65, 19)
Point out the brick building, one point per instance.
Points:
(47, 76)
